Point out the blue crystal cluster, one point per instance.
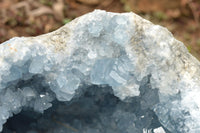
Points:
(101, 73)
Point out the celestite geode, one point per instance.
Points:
(101, 73)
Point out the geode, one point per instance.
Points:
(101, 73)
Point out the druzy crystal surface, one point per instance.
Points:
(101, 73)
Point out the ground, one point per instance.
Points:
(35, 17)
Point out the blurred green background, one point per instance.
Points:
(35, 17)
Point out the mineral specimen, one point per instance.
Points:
(101, 73)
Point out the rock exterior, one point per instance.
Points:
(101, 73)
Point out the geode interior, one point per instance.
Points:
(94, 110)
(101, 73)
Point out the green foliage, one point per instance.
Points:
(46, 2)
(189, 48)
(198, 42)
(160, 15)
(66, 20)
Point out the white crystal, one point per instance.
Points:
(36, 65)
(159, 130)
